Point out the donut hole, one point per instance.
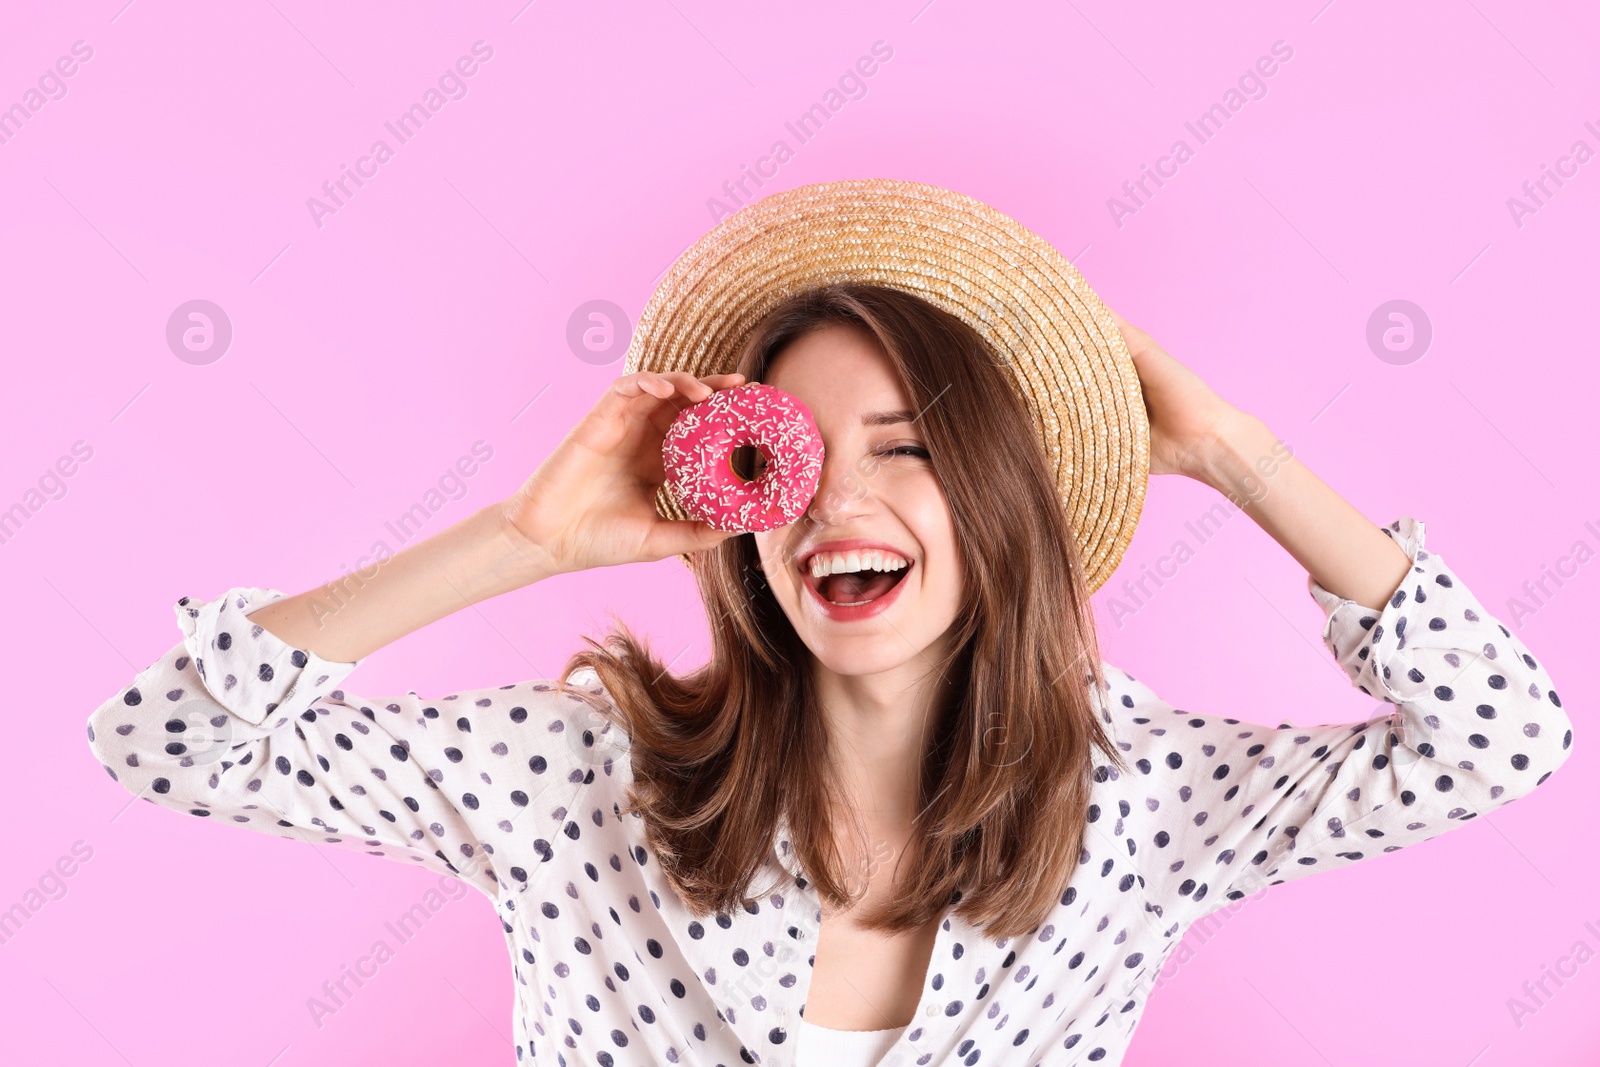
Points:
(748, 461)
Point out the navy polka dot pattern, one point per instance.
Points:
(518, 791)
(1476, 725)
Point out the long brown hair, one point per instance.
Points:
(718, 752)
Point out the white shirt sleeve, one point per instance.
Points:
(236, 726)
(1235, 806)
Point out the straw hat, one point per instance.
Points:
(1067, 358)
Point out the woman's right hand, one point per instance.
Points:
(591, 503)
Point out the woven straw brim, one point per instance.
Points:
(1067, 358)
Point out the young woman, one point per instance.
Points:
(938, 823)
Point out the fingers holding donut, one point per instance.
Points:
(659, 396)
(671, 392)
(663, 384)
(672, 537)
(591, 503)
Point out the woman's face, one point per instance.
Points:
(877, 486)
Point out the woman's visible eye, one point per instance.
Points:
(907, 450)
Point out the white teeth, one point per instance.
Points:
(826, 563)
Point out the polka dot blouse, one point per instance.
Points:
(518, 790)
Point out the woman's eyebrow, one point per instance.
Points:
(887, 418)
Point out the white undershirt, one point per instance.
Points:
(821, 1046)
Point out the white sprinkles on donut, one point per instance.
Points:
(697, 454)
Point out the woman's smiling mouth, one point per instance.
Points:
(854, 579)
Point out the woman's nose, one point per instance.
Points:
(842, 491)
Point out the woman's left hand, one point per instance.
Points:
(1187, 419)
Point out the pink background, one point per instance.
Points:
(371, 352)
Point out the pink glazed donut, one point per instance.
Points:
(698, 453)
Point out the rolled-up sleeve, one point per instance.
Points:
(234, 725)
(1234, 806)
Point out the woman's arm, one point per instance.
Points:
(478, 558)
(1344, 551)
(1196, 433)
(590, 504)
(235, 726)
(244, 721)
(1238, 806)
(1235, 806)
